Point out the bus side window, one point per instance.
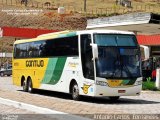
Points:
(86, 56)
(30, 53)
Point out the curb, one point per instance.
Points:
(48, 112)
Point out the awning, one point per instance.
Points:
(24, 32)
(141, 23)
(149, 40)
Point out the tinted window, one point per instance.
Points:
(115, 40)
(86, 56)
(62, 47)
(21, 51)
(118, 62)
(48, 48)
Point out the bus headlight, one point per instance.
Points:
(138, 83)
(101, 83)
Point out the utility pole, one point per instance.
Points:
(85, 5)
(26, 2)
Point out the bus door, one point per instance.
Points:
(86, 60)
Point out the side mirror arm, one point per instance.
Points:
(94, 51)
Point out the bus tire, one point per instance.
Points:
(75, 92)
(114, 98)
(25, 86)
(30, 86)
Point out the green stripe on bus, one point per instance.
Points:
(128, 82)
(67, 35)
(125, 82)
(55, 68)
(58, 70)
(131, 82)
(49, 70)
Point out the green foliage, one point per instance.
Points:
(149, 85)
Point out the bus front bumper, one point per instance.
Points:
(117, 91)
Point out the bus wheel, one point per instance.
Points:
(30, 86)
(114, 98)
(25, 86)
(75, 92)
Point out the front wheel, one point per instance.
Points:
(75, 92)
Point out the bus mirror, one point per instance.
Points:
(95, 51)
(145, 52)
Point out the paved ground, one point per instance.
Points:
(12, 110)
(12, 113)
(146, 103)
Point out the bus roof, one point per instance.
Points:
(70, 33)
(48, 36)
(105, 31)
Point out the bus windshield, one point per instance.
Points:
(118, 57)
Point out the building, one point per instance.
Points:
(147, 28)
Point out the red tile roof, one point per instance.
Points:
(149, 40)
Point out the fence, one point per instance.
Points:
(121, 10)
(30, 3)
(90, 11)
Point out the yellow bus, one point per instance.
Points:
(96, 63)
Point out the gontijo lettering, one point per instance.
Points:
(34, 63)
